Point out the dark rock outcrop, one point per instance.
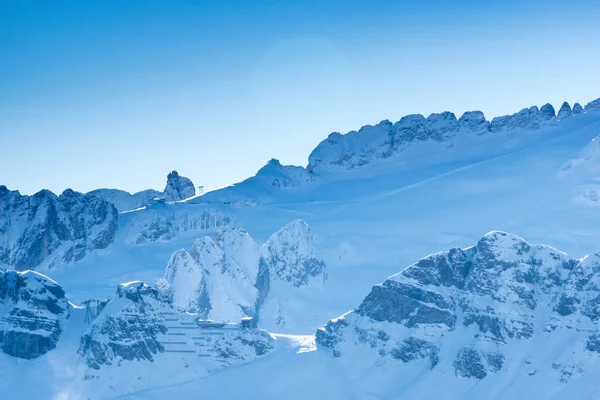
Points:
(178, 187)
(32, 312)
(45, 229)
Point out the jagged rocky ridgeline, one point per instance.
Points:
(478, 311)
(33, 309)
(177, 188)
(230, 277)
(386, 139)
(49, 230)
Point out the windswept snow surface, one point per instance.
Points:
(369, 222)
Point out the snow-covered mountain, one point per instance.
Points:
(178, 188)
(501, 319)
(502, 311)
(230, 277)
(45, 230)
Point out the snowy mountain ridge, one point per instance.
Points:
(387, 139)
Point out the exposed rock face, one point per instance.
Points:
(290, 255)
(127, 329)
(565, 111)
(384, 140)
(32, 313)
(178, 187)
(493, 296)
(45, 229)
(142, 324)
(230, 277)
(577, 109)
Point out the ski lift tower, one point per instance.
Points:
(200, 190)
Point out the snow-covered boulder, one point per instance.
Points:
(45, 230)
(469, 311)
(33, 309)
(178, 187)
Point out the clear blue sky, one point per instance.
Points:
(118, 93)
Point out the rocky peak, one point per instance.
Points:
(474, 121)
(291, 255)
(565, 111)
(547, 112)
(178, 187)
(577, 109)
(32, 312)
